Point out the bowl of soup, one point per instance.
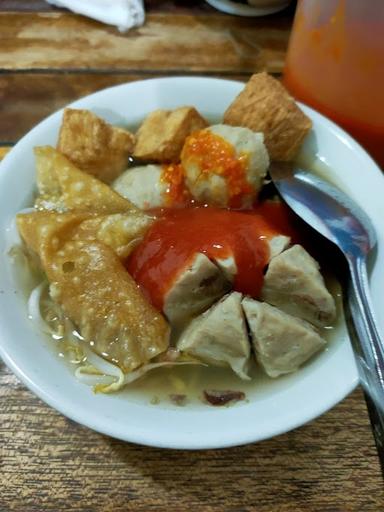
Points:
(144, 266)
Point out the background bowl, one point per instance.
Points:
(258, 7)
(273, 409)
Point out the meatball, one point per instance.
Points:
(143, 186)
(225, 165)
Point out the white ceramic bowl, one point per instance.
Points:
(271, 410)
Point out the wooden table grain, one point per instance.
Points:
(49, 57)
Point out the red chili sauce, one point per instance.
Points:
(178, 234)
(176, 193)
(215, 155)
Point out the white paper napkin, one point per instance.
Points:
(125, 14)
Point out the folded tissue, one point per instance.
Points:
(125, 14)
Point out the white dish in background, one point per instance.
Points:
(259, 7)
(271, 410)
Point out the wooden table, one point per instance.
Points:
(48, 58)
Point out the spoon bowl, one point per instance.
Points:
(325, 208)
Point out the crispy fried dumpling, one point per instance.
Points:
(120, 231)
(94, 289)
(64, 187)
(100, 297)
(47, 181)
(46, 231)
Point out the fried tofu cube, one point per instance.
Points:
(161, 136)
(264, 105)
(93, 145)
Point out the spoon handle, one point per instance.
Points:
(370, 349)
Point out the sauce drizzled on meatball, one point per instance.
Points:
(177, 235)
(213, 154)
(176, 192)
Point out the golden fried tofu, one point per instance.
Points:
(73, 189)
(94, 145)
(265, 106)
(161, 136)
(120, 231)
(101, 298)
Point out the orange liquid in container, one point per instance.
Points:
(335, 63)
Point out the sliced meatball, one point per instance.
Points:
(219, 336)
(277, 244)
(282, 342)
(195, 289)
(228, 266)
(294, 284)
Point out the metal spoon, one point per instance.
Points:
(338, 218)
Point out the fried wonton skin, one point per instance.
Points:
(161, 136)
(65, 187)
(120, 231)
(264, 105)
(47, 181)
(94, 145)
(101, 298)
(46, 232)
(94, 289)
